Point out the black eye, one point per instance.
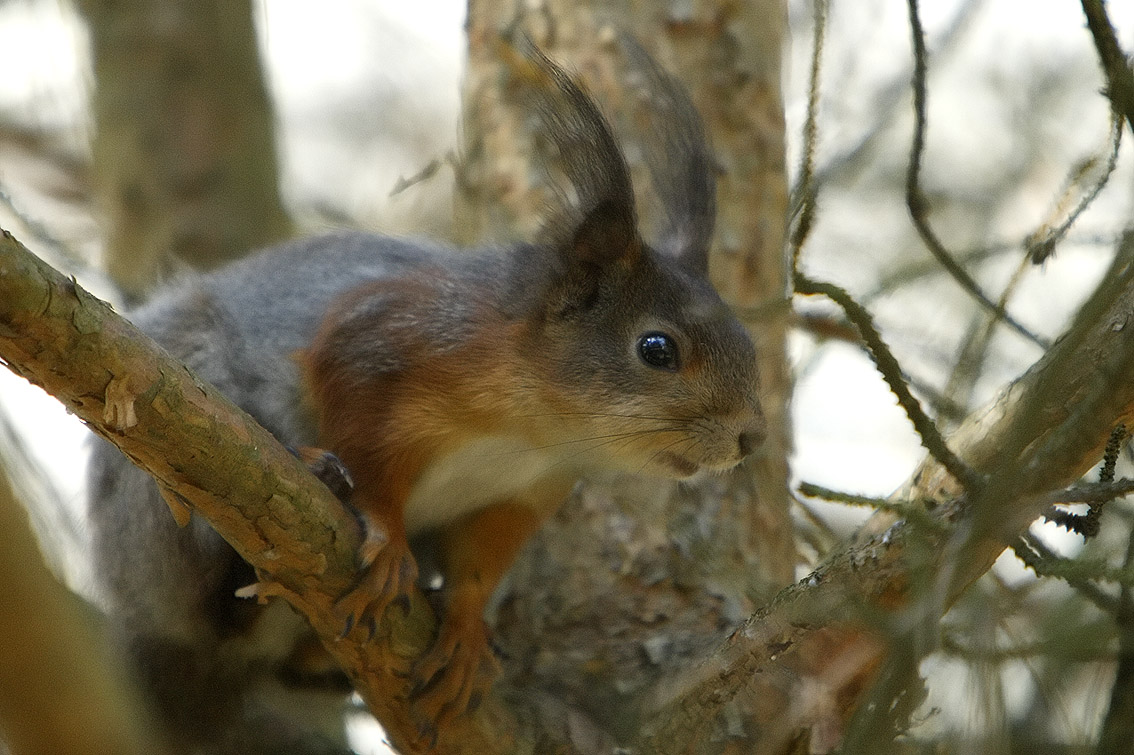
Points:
(658, 350)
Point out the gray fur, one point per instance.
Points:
(584, 295)
(170, 590)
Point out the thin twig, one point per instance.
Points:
(907, 509)
(907, 272)
(1094, 492)
(1041, 245)
(892, 373)
(807, 189)
(1079, 570)
(887, 99)
(1088, 525)
(422, 175)
(916, 201)
(1119, 78)
(1047, 648)
(1046, 563)
(974, 348)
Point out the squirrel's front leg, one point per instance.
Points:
(387, 568)
(476, 551)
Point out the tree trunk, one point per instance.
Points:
(183, 157)
(635, 580)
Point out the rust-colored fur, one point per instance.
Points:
(465, 393)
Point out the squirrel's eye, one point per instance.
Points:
(658, 350)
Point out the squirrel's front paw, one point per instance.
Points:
(388, 569)
(328, 468)
(453, 676)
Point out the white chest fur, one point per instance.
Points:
(481, 473)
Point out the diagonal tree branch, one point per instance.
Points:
(892, 372)
(209, 453)
(1044, 432)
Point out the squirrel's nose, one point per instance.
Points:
(750, 439)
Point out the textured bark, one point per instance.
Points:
(184, 161)
(1049, 427)
(209, 454)
(636, 580)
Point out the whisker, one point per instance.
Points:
(625, 440)
(630, 434)
(616, 415)
(691, 440)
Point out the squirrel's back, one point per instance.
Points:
(465, 392)
(241, 327)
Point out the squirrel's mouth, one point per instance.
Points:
(679, 464)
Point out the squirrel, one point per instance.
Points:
(464, 391)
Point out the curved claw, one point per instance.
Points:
(328, 468)
(389, 569)
(452, 678)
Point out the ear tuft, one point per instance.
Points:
(597, 223)
(680, 159)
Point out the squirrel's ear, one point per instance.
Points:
(680, 160)
(603, 243)
(599, 226)
(607, 235)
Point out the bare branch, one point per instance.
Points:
(1097, 492)
(208, 452)
(1119, 77)
(906, 509)
(892, 372)
(1041, 244)
(1044, 432)
(803, 209)
(1047, 563)
(917, 203)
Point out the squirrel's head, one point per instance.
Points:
(645, 366)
